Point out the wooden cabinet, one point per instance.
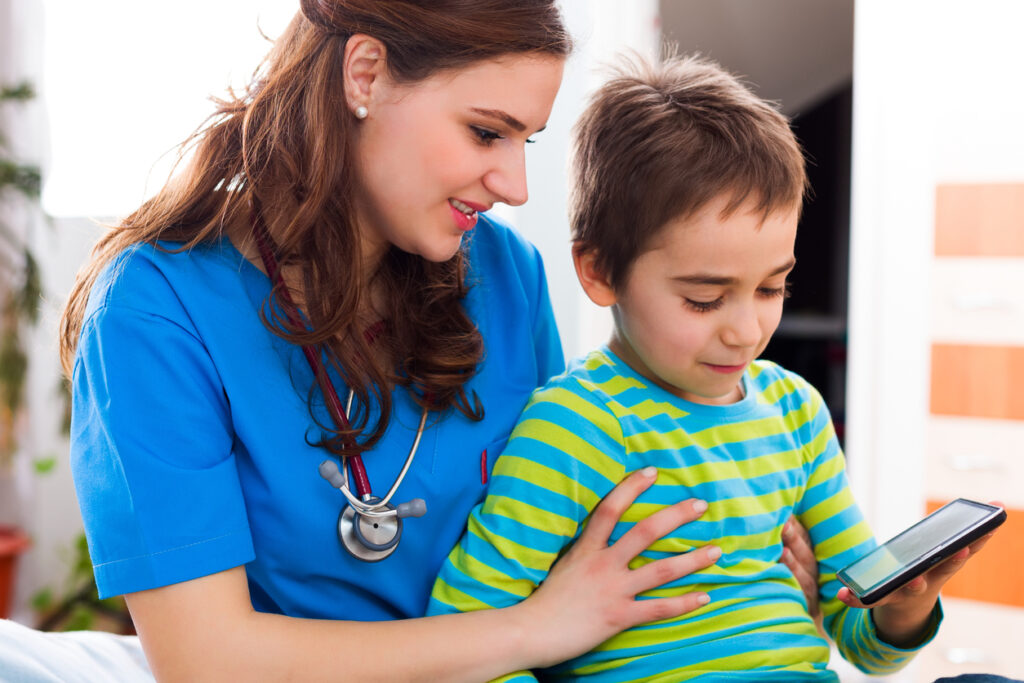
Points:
(975, 433)
(979, 220)
(978, 381)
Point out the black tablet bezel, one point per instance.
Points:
(871, 594)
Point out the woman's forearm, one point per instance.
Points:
(472, 647)
(206, 630)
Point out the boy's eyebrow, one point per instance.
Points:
(719, 280)
(504, 117)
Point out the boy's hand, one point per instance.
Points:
(901, 617)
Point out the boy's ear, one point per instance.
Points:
(594, 282)
(363, 67)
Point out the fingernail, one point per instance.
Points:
(703, 599)
(649, 472)
(714, 552)
(785, 529)
(700, 506)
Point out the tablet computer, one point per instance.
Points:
(935, 538)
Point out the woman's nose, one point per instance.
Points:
(507, 180)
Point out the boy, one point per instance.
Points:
(687, 192)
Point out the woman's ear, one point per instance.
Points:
(364, 67)
(594, 282)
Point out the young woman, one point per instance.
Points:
(317, 302)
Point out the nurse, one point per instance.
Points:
(317, 300)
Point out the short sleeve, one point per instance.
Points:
(151, 454)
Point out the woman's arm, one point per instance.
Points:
(207, 630)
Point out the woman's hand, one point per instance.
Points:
(902, 617)
(590, 593)
(798, 555)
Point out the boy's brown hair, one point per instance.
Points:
(659, 141)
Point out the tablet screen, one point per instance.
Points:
(889, 559)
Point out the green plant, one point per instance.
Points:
(20, 283)
(79, 606)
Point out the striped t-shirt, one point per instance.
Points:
(772, 454)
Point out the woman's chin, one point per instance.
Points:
(439, 253)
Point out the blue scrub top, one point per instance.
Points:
(191, 433)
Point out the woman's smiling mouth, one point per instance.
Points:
(465, 215)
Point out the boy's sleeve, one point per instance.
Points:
(840, 535)
(564, 455)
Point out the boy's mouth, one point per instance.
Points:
(726, 369)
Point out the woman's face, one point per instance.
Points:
(432, 153)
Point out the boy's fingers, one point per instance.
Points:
(647, 531)
(916, 586)
(951, 565)
(660, 572)
(846, 597)
(611, 508)
(980, 543)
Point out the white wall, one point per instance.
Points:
(602, 29)
(937, 98)
(48, 508)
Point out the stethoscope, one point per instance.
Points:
(369, 527)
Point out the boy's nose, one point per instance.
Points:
(507, 180)
(743, 329)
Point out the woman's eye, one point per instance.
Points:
(704, 306)
(772, 292)
(486, 136)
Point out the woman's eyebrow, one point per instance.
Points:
(502, 116)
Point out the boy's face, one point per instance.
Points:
(705, 299)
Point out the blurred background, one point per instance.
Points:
(908, 305)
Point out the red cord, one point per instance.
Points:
(263, 242)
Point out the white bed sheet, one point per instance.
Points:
(30, 656)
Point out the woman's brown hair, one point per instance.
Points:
(285, 141)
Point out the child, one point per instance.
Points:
(687, 192)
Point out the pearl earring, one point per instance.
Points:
(361, 112)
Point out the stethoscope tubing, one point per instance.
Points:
(377, 509)
(362, 481)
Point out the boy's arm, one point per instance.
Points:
(840, 535)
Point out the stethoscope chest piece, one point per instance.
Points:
(370, 539)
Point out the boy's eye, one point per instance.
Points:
(486, 136)
(704, 306)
